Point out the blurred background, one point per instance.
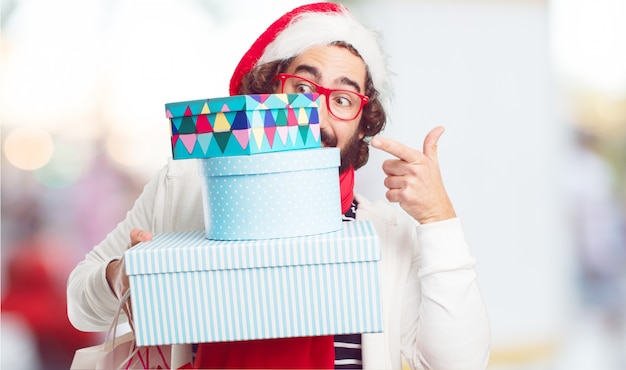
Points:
(532, 94)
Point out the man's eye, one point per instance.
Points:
(304, 89)
(342, 101)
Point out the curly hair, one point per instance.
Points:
(260, 80)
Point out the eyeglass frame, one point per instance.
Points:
(364, 99)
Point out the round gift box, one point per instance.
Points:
(271, 195)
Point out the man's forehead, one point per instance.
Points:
(330, 63)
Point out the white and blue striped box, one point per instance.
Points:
(271, 195)
(188, 289)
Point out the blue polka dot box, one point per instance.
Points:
(243, 124)
(271, 195)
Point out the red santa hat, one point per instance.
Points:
(312, 25)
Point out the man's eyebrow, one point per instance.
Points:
(317, 74)
(347, 81)
(309, 69)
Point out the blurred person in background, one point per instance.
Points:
(599, 225)
(434, 315)
(33, 304)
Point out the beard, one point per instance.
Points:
(349, 154)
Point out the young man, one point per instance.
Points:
(434, 316)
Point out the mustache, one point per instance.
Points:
(328, 139)
(349, 155)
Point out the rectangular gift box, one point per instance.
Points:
(188, 289)
(243, 125)
(271, 195)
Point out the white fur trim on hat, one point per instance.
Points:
(314, 29)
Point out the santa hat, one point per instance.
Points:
(313, 25)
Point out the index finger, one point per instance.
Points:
(396, 149)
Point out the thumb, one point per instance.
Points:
(138, 236)
(431, 140)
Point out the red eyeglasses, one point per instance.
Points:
(342, 104)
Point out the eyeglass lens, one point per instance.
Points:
(343, 104)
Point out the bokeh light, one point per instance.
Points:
(64, 168)
(28, 148)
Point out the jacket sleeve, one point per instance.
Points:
(449, 328)
(91, 305)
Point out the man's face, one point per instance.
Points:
(334, 67)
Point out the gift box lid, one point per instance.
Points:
(243, 125)
(265, 163)
(172, 252)
(241, 103)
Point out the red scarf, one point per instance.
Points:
(283, 353)
(294, 353)
(346, 186)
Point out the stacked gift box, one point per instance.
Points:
(275, 259)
